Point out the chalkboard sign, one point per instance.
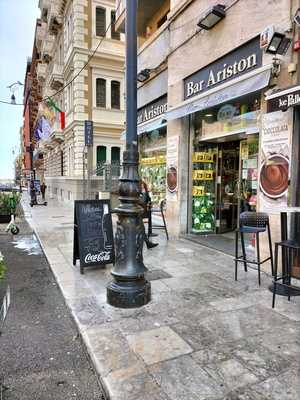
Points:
(93, 234)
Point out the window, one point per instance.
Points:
(114, 34)
(100, 21)
(100, 92)
(101, 159)
(115, 95)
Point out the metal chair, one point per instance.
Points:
(290, 253)
(161, 211)
(253, 223)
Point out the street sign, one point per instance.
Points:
(88, 133)
(93, 233)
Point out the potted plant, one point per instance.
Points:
(8, 205)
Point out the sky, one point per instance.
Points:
(17, 26)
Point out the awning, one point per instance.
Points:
(248, 83)
(149, 126)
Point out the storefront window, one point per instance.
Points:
(224, 165)
(152, 148)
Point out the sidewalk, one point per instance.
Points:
(202, 337)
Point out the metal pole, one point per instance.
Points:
(129, 288)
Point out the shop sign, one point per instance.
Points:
(198, 191)
(153, 160)
(274, 172)
(172, 164)
(203, 175)
(152, 110)
(238, 62)
(284, 101)
(199, 157)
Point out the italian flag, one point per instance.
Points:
(61, 114)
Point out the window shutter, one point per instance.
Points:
(101, 92)
(100, 21)
(114, 35)
(115, 95)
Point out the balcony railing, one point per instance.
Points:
(47, 48)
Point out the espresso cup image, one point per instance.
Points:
(172, 179)
(274, 176)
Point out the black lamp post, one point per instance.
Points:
(129, 288)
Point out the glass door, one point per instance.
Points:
(227, 205)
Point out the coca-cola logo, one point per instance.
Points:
(94, 258)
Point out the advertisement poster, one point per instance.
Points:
(172, 165)
(274, 170)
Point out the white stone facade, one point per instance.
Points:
(68, 45)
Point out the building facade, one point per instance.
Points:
(206, 137)
(82, 69)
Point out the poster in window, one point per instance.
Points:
(274, 173)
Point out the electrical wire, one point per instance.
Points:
(78, 73)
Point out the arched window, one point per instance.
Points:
(115, 95)
(100, 92)
(100, 21)
(114, 34)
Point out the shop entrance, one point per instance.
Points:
(224, 184)
(227, 187)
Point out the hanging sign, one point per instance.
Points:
(274, 173)
(88, 133)
(93, 234)
(284, 101)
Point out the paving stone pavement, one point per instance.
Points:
(203, 336)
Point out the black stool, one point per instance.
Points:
(290, 248)
(161, 211)
(255, 223)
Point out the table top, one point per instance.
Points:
(290, 210)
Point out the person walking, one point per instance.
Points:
(145, 202)
(43, 190)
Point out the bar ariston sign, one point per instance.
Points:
(234, 64)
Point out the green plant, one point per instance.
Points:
(9, 202)
(2, 266)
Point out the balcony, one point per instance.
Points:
(55, 18)
(56, 80)
(47, 48)
(40, 34)
(57, 135)
(41, 71)
(44, 6)
(145, 13)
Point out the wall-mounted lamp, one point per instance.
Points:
(143, 75)
(278, 44)
(212, 17)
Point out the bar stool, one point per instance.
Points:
(161, 211)
(289, 248)
(254, 223)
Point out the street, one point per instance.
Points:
(42, 355)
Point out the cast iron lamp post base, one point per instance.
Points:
(129, 289)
